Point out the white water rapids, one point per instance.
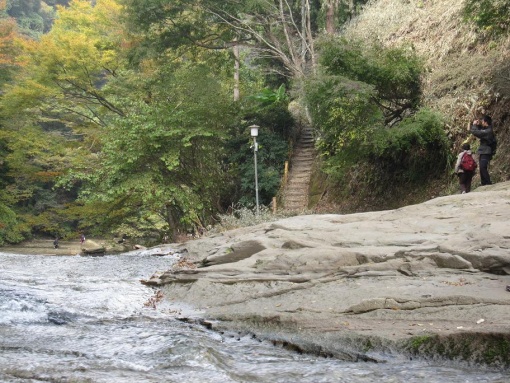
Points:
(85, 319)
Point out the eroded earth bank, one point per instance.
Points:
(427, 280)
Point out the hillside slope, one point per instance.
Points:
(467, 74)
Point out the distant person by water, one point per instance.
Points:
(82, 239)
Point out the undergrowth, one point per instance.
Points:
(242, 216)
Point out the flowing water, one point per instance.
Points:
(85, 319)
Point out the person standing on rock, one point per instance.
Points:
(482, 129)
(82, 239)
(465, 168)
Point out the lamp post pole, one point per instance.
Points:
(254, 134)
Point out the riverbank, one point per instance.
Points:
(46, 247)
(427, 280)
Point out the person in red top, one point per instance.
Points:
(465, 176)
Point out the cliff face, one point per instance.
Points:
(468, 73)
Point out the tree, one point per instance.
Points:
(395, 73)
(337, 12)
(282, 30)
(140, 124)
(33, 17)
(69, 66)
(163, 157)
(9, 65)
(52, 111)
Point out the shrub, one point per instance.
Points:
(10, 229)
(416, 148)
(491, 16)
(345, 117)
(393, 72)
(241, 216)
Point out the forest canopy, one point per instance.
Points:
(131, 118)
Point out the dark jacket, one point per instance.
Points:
(486, 136)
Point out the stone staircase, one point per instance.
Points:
(295, 193)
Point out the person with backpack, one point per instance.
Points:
(465, 168)
(482, 129)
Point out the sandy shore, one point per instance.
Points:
(45, 247)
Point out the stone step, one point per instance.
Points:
(300, 178)
(294, 181)
(305, 148)
(303, 158)
(305, 152)
(296, 195)
(297, 190)
(301, 164)
(301, 168)
(307, 155)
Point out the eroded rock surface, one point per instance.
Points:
(437, 269)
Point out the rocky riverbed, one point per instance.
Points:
(426, 280)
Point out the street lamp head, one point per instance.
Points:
(254, 130)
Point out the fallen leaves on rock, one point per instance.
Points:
(183, 263)
(460, 282)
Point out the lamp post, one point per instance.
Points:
(254, 134)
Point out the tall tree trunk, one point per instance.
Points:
(236, 72)
(331, 9)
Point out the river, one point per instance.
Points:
(89, 319)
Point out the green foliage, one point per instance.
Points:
(273, 150)
(268, 96)
(415, 149)
(9, 50)
(163, 157)
(371, 133)
(276, 28)
(491, 16)
(67, 68)
(9, 228)
(346, 118)
(33, 17)
(364, 90)
(276, 126)
(395, 73)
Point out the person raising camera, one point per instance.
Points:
(482, 129)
